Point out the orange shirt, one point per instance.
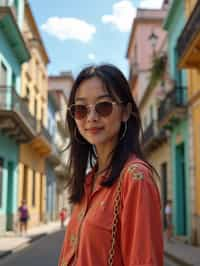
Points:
(139, 240)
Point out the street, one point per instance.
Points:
(44, 252)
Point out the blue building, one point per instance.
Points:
(14, 128)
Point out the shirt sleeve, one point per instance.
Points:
(141, 226)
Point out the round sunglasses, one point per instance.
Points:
(80, 111)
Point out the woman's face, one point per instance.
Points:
(96, 129)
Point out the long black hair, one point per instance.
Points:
(82, 152)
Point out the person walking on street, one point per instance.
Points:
(23, 214)
(62, 217)
(168, 215)
(116, 218)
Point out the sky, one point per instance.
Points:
(77, 33)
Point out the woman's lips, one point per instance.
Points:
(94, 130)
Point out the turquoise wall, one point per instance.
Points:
(181, 130)
(9, 151)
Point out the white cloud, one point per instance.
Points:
(122, 15)
(69, 28)
(150, 4)
(92, 56)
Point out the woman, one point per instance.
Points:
(116, 216)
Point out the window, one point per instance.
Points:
(35, 107)
(25, 183)
(1, 180)
(33, 188)
(14, 81)
(151, 113)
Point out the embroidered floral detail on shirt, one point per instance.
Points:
(63, 263)
(81, 215)
(73, 240)
(135, 172)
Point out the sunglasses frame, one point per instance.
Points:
(88, 107)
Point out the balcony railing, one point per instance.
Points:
(11, 101)
(191, 28)
(4, 2)
(176, 98)
(149, 131)
(153, 136)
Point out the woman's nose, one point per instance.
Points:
(92, 114)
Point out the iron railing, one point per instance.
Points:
(176, 98)
(11, 101)
(149, 132)
(191, 28)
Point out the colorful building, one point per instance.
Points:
(14, 127)
(172, 115)
(188, 48)
(32, 155)
(147, 46)
(52, 160)
(60, 86)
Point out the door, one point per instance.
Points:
(9, 207)
(164, 189)
(181, 213)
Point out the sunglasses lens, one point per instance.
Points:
(104, 108)
(78, 111)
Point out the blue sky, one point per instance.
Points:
(81, 32)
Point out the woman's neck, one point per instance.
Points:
(104, 154)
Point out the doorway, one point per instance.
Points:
(181, 209)
(9, 206)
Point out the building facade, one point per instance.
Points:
(32, 155)
(14, 127)
(173, 116)
(189, 57)
(60, 86)
(147, 45)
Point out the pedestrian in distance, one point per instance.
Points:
(168, 215)
(23, 214)
(63, 215)
(116, 218)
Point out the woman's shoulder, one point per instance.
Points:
(136, 170)
(138, 175)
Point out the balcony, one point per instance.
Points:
(42, 142)
(153, 137)
(9, 27)
(189, 41)
(16, 120)
(173, 108)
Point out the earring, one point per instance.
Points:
(124, 133)
(76, 137)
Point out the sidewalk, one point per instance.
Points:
(183, 254)
(12, 243)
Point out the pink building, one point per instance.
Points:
(140, 48)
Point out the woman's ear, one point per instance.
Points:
(127, 112)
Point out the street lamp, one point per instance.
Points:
(153, 38)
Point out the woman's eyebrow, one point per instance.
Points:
(98, 98)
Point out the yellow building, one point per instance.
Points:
(189, 58)
(32, 179)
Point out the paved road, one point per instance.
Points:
(44, 252)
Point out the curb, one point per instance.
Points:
(177, 259)
(23, 245)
